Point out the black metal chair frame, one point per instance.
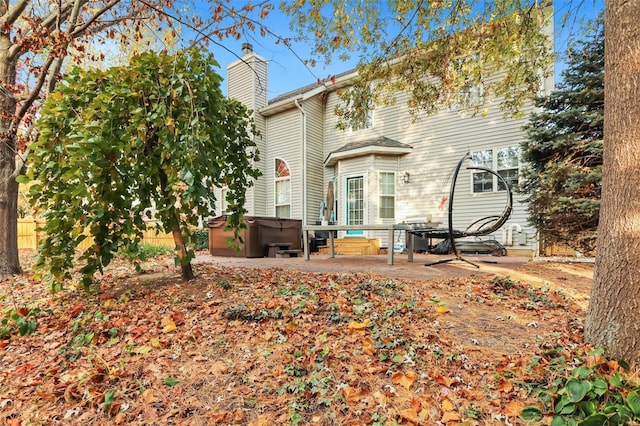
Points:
(483, 226)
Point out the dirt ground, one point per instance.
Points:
(501, 330)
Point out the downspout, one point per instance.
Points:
(304, 163)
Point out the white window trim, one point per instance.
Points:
(494, 166)
(380, 195)
(517, 168)
(275, 188)
(341, 194)
(368, 125)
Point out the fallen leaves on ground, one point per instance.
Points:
(274, 346)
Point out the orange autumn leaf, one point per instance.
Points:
(350, 394)
(262, 420)
(120, 419)
(219, 416)
(23, 368)
(169, 326)
(367, 345)
(178, 318)
(148, 396)
(505, 385)
(410, 415)
(239, 416)
(416, 404)
(444, 381)
(341, 301)
(274, 302)
(354, 325)
(447, 405)
(449, 417)
(513, 409)
(75, 309)
(404, 379)
(380, 398)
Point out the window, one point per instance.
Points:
(469, 98)
(508, 166)
(387, 191)
(483, 181)
(283, 189)
(471, 95)
(505, 161)
(368, 122)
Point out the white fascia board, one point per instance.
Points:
(290, 103)
(334, 157)
(280, 106)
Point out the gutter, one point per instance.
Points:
(304, 162)
(291, 102)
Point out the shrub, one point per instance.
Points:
(143, 252)
(200, 238)
(597, 392)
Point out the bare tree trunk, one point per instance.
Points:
(9, 261)
(613, 318)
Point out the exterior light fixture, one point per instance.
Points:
(406, 177)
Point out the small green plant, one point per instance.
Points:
(502, 284)
(596, 393)
(144, 252)
(21, 319)
(224, 284)
(137, 253)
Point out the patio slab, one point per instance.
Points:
(401, 268)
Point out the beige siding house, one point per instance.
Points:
(391, 171)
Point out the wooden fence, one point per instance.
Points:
(29, 236)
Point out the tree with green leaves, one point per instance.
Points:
(37, 38)
(440, 53)
(158, 133)
(562, 178)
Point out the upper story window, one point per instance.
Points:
(387, 193)
(505, 161)
(368, 122)
(282, 189)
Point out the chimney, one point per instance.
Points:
(247, 48)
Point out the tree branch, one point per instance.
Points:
(77, 32)
(35, 93)
(14, 13)
(55, 18)
(20, 167)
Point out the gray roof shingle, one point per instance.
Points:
(379, 141)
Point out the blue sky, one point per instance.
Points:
(287, 72)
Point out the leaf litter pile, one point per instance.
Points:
(274, 346)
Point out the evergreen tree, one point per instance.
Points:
(563, 152)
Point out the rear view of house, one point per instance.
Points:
(391, 170)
